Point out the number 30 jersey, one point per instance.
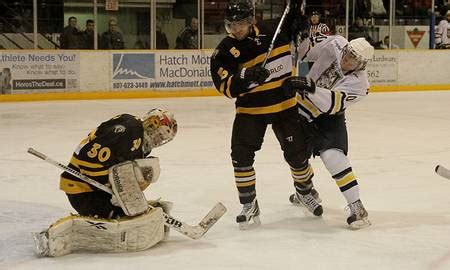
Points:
(114, 141)
(335, 90)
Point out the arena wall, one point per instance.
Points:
(28, 75)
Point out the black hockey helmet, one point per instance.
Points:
(238, 10)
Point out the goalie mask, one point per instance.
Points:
(239, 18)
(160, 127)
(356, 54)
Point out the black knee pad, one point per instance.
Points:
(296, 159)
(242, 156)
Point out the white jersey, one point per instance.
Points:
(443, 32)
(335, 91)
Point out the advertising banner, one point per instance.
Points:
(26, 72)
(383, 68)
(163, 70)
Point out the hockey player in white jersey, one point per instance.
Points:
(336, 80)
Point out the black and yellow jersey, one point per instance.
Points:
(114, 141)
(231, 55)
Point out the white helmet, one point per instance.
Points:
(160, 127)
(360, 50)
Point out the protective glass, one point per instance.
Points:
(234, 27)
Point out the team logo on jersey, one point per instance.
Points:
(119, 129)
(330, 76)
(130, 66)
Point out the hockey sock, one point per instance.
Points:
(303, 178)
(338, 165)
(245, 179)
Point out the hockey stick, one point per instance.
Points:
(302, 12)
(442, 171)
(194, 232)
(277, 32)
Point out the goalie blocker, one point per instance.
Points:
(128, 179)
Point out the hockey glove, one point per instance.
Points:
(256, 74)
(300, 85)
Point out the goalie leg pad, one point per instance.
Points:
(166, 207)
(124, 179)
(78, 233)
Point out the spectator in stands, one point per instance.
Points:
(71, 37)
(358, 29)
(88, 35)
(5, 81)
(443, 33)
(316, 26)
(142, 42)
(17, 24)
(385, 44)
(188, 37)
(113, 38)
(161, 38)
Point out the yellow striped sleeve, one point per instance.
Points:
(78, 162)
(73, 187)
(97, 173)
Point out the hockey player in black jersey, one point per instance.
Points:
(115, 154)
(122, 138)
(237, 73)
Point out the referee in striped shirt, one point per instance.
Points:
(317, 26)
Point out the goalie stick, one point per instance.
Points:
(194, 232)
(442, 171)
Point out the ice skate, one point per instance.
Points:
(314, 193)
(41, 243)
(307, 201)
(358, 218)
(249, 216)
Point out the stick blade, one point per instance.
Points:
(210, 219)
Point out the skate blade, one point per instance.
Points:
(360, 224)
(248, 226)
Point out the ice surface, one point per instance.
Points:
(396, 141)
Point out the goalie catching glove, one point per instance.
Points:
(128, 179)
(300, 85)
